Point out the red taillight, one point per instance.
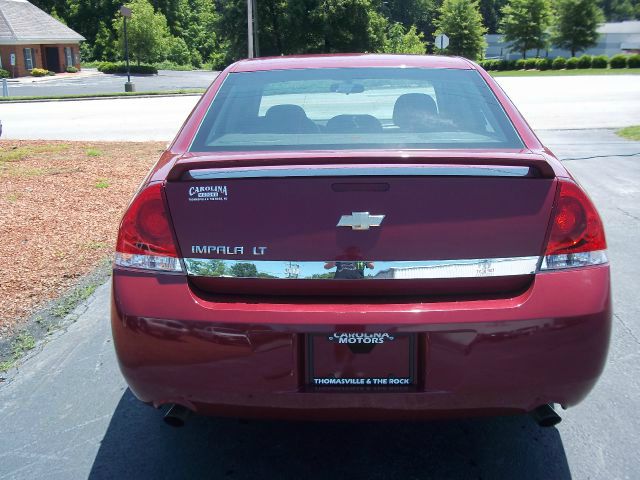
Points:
(576, 226)
(145, 228)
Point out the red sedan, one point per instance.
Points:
(360, 237)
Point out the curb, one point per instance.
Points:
(118, 97)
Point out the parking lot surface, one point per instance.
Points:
(67, 413)
(101, 83)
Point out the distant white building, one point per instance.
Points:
(619, 37)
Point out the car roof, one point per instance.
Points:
(355, 60)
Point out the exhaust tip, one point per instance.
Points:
(546, 416)
(176, 416)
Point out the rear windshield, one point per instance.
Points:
(355, 108)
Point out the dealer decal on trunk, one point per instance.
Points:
(204, 193)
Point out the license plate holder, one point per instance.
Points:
(365, 361)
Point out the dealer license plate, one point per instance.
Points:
(346, 359)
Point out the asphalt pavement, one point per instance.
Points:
(548, 103)
(165, 80)
(67, 414)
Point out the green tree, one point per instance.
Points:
(420, 13)
(197, 24)
(178, 51)
(461, 21)
(525, 23)
(104, 45)
(490, 10)
(349, 26)
(149, 35)
(305, 26)
(622, 10)
(400, 40)
(576, 24)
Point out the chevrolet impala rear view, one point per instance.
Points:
(360, 237)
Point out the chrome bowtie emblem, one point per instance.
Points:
(360, 221)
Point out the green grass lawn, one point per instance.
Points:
(579, 71)
(630, 133)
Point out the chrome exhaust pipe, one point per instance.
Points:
(546, 416)
(177, 415)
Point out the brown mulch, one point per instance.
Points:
(60, 204)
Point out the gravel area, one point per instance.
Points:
(61, 203)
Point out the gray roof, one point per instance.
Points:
(628, 26)
(22, 22)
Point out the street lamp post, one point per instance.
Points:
(126, 13)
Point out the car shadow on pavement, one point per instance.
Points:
(139, 445)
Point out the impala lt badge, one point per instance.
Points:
(360, 221)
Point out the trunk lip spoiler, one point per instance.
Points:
(452, 170)
(539, 163)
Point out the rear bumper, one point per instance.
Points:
(547, 345)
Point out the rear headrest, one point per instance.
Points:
(410, 106)
(285, 112)
(288, 118)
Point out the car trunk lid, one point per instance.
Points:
(440, 228)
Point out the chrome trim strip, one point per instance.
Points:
(395, 270)
(357, 171)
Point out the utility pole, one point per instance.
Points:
(256, 29)
(250, 27)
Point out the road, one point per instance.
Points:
(101, 83)
(548, 103)
(67, 413)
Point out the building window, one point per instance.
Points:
(68, 56)
(28, 58)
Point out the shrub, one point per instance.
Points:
(140, 69)
(4, 73)
(572, 63)
(618, 61)
(107, 67)
(599, 61)
(502, 65)
(167, 65)
(196, 59)
(559, 63)
(50, 73)
(509, 64)
(521, 64)
(633, 61)
(71, 69)
(585, 61)
(110, 67)
(531, 63)
(490, 64)
(543, 64)
(39, 72)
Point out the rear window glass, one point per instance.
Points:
(355, 108)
